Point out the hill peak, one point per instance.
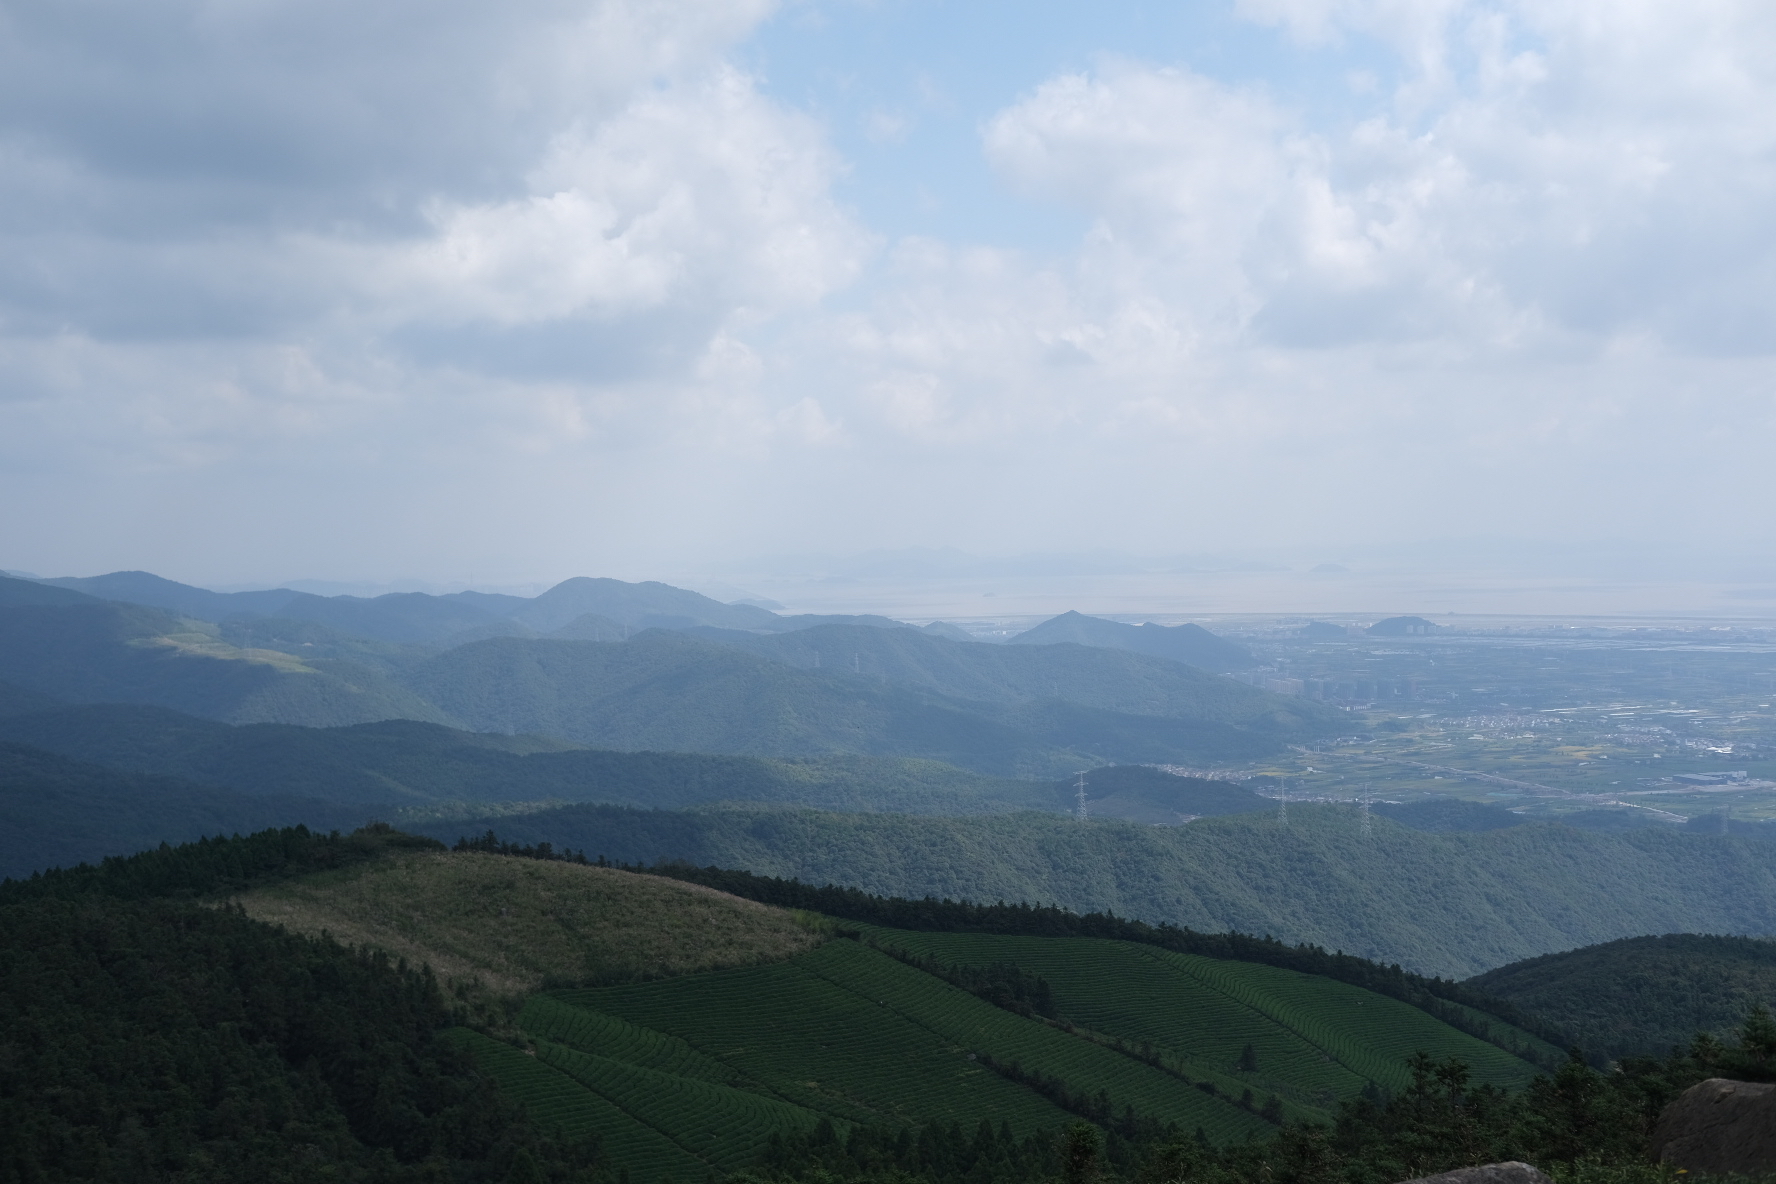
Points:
(1188, 643)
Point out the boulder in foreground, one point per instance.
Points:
(1720, 1126)
(1509, 1172)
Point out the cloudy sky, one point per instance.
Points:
(508, 292)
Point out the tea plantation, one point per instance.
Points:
(695, 1074)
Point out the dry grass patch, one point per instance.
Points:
(514, 925)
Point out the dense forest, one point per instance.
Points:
(152, 1035)
(1643, 996)
(1451, 904)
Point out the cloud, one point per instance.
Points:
(566, 280)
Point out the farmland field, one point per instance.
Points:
(697, 1073)
(1315, 1039)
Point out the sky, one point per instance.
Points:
(505, 293)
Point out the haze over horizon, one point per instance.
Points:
(1471, 297)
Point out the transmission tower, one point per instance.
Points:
(1283, 805)
(1079, 792)
(1368, 819)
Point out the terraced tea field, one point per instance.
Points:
(692, 1075)
(1315, 1039)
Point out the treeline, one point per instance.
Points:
(946, 1153)
(210, 867)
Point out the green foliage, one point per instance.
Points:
(1581, 1126)
(1642, 996)
(1222, 1021)
(95, 651)
(60, 812)
(396, 762)
(214, 867)
(1448, 904)
(669, 691)
(157, 1040)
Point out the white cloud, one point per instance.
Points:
(705, 195)
(568, 265)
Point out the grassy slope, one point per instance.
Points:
(708, 1066)
(1643, 995)
(102, 652)
(1316, 1040)
(512, 924)
(851, 1033)
(1452, 904)
(405, 761)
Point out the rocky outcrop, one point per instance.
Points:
(1720, 1126)
(1509, 1172)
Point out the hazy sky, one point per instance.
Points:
(514, 291)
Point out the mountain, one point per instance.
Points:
(1450, 904)
(83, 650)
(641, 606)
(1642, 996)
(1181, 643)
(58, 812)
(581, 607)
(145, 588)
(16, 700)
(1092, 677)
(29, 593)
(667, 691)
(398, 763)
(1037, 712)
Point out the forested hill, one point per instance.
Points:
(1039, 712)
(1642, 996)
(1443, 904)
(62, 812)
(668, 691)
(398, 763)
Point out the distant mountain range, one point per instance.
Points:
(1181, 643)
(867, 689)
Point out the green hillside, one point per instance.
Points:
(1312, 1040)
(1643, 995)
(1105, 679)
(58, 812)
(405, 762)
(1037, 712)
(669, 691)
(92, 651)
(246, 1048)
(509, 925)
(1453, 904)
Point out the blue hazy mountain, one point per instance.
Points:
(61, 812)
(1191, 644)
(578, 608)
